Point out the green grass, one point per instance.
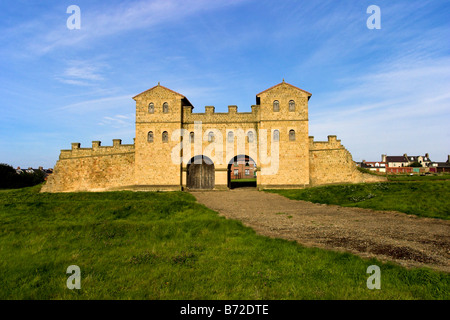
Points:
(422, 198)
(244, 180)
(417, 177)
(150, 245)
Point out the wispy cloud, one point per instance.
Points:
(82, 73)
(108, 20)
(118, 121)
(90, 106)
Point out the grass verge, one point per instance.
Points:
(422, 198)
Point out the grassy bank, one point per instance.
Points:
(144, 245)
(422, 198)
(417, 177)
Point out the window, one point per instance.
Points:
(236, 172)
(247, 172)
(276, 106)
(292, 105)
(291, 135)
(211, 136)
(191, 137)
(235, 164)
(247, 164)
(276, 135)
(165, 137)
(150, 136)
(230, 136)
(151, 108)
(165, 107)
(250, 136)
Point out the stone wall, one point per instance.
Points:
(92, 169)
(330, 162)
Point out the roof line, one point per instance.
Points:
(287, 84)
(158, 85)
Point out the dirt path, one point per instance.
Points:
(387, 235)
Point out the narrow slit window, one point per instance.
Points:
(291, 135)
(165, 136)
(276, 135)
(276, 106)
(211, 136)
(230, 136)
(292, 105)
(250, 136)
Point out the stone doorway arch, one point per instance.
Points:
(200, 173)
(243, 162)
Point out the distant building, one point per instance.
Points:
(243, 169)
(47, 172)
(377, 166)
(405, 160)
(440, 166)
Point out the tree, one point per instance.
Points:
(9, 179)
(415, 165)
(8, 176)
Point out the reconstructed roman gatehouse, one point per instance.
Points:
(177, 149)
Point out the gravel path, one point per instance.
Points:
(387, 235)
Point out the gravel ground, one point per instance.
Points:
(408, 240)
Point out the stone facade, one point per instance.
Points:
(170, 136)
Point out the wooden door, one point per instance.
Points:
(200, 176)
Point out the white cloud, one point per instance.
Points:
(90, 106)
(82, 73)
(108, 20)
(118, 121)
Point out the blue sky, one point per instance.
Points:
(380, 91)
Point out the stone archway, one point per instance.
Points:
(245, 180)
(200, 173)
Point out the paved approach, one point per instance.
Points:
(408, 240)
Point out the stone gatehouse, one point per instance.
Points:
(178, 149)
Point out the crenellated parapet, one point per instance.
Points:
(96, 150)
(210, 116)
(331, 144)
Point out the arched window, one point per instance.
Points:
(150, 136)
(165, 136)
(250, 136)
(276, 135)
(151, 108)
(191, 137)
(291, 135)
(165, 107)
(292, 105)
(230, 136)
(211, 136)
(276, 106)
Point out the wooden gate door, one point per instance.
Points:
(200, 176)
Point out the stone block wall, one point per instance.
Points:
(330, 162)
(92, 169)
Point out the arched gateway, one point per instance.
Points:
(170, 137)
(200, 173)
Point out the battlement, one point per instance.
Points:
(96, 150)
(332, 143)
(211, 116)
